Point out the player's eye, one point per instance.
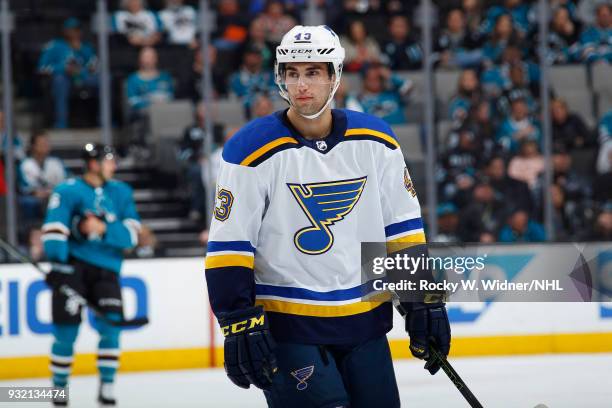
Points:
(292, 75)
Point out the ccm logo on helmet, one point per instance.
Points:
(321, 51)
(295, 51)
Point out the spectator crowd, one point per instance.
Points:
(490, 164)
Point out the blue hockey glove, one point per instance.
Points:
(427, 323)
(249, 347)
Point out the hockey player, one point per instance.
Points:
(90, 221)
(298, 192)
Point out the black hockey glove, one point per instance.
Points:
(58, 275)
(428, 323)
(249, 347)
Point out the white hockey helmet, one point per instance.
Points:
(309, 44)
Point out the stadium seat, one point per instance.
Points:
(123, 59)
(444, 128)
(352, 82)
(409, 137)
(415, 111)
(570, 82)
(168, 120)
(581, 102)
(602, 87)
(446, 84)
(419, 82)
(230, 112)
(568, 79)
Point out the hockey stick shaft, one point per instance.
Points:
(70, 292)
(454, 377)
(444, 364)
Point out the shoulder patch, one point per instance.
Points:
(258, 141)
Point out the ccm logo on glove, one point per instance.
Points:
(239, 327)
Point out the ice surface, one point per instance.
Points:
(577, 380)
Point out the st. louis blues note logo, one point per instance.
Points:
(324, 204)
(302, 375)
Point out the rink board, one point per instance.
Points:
(172, 292)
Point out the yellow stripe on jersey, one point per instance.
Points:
(266, 148)
(220, 261)
(406, 241)
(371, 132)
(302, 309)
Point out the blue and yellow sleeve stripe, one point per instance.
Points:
(371, 134)
(223, 254)
(268, 150)
(401, 235)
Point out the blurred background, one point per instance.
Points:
(503, 108)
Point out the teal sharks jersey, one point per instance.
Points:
(70, 202)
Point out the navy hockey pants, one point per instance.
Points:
(312, 376)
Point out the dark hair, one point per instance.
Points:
(271, 2)
(453, 10)
(37, 133)
(350, 31)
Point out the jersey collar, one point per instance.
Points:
(325, 144)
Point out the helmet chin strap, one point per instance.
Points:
(329, 99)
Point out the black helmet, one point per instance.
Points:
(97, 151)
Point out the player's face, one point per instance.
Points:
(308, 85)
(108, 168)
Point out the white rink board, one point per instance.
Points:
(174, 292)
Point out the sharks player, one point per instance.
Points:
(298, 192)
(90, 222)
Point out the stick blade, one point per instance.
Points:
(136, 322)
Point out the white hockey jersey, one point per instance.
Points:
(289, 220)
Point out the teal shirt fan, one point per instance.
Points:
(112, 203)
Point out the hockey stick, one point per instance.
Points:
(71, 293)
(454, 377)
(444, 364)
